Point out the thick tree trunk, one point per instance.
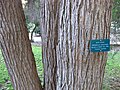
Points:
(67, 28)
(16, 46)
(49, 38)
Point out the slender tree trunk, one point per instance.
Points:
(67, 28)
(32, 33)
(16, 46)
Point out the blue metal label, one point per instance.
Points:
(101, 45)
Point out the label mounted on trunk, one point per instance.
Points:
(100, 45)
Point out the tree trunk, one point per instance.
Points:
(16, 47)
(32, 33)
(67, 28)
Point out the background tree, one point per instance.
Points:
(16, 47)
(67, 28)
(116, 17)
(32, 13)
(115, 27)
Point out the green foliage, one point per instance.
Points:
(32, 14)
(113, 65)
(112, 72)
(116, 15)
(4, 77)
(116, 11)
(32, 25)
(38, 58)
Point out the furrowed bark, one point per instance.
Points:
(16, 47)
(68, 26)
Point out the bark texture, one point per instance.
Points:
(67, 28)
(16, 46)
